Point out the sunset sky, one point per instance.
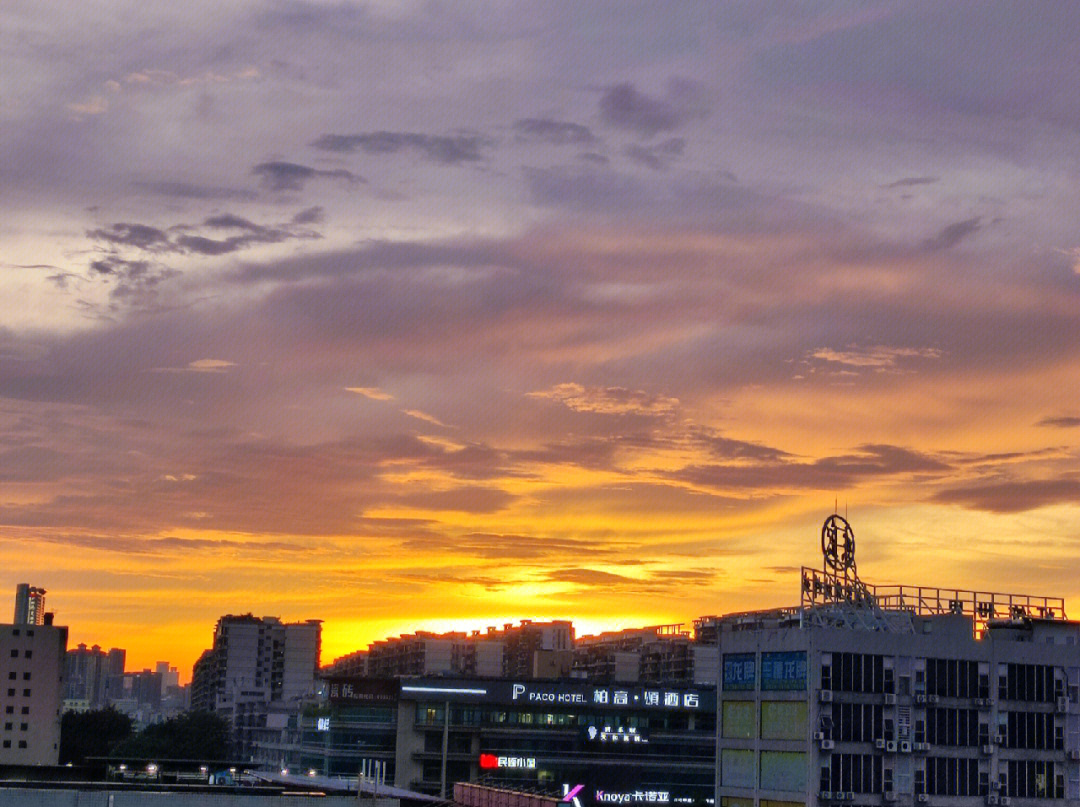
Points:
(440, 315)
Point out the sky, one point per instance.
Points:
(441, 315)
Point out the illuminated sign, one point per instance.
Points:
(361, 690)
(493, 761)
(620, 735)
(607, 696)
(570, 794)
(783, 671)
(633, 797)
(322, 724)
(740, 671)
(547, 696)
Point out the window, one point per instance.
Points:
(22, 743)
(28, 654)
(26, 676)
(11, 693)
(26, 710)
(14, 653)
(26, 693)
(9, 710)
(7, 726)
(24, 726)
(7, 743)
(11, 675)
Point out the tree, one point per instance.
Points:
(91, 734)
(192, 735)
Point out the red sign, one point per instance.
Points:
(489, 761)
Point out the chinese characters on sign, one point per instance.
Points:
(783, 671)
(740, 671)
(605, 696)
(492, 761)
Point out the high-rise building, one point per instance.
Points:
(92, 676)
(868, 695)
(29, 605)
(31, 689)
(255, 666)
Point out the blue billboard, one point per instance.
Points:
(783, 671)
(740, 671)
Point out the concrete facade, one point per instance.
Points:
(31, 690)
(813, 714)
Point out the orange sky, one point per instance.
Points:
(409, 317)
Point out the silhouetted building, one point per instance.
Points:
(91, 676)
(31, 688)
(658, 654)
(354, 664)
(29, 605)
(255, 664)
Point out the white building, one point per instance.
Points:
(254, 667)
(31, 690)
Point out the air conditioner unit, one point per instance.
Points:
(890, 746)
(825, 696)
(905, 746)
(922, 798)
(890, 795)
(849, 796)
(1005, 801)
(988, 749)
(890, 699)
(826, 795)
(920, 699)
(828, 745)
(1063, 704)
(993, 799)
(921, 746)
(995, 785)
(932, 699)
(1074, 755)
(879, 744)
(819, 735)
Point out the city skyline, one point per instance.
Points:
(420, 315)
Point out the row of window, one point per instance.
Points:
(950, 678)
(857, 773)
(855, 722)
(11, 727)
(954, 678)
(11, 693)
(950, 776)
(14, 675)
(26, 653)
(856, 672)
(1034, 779)
(10, 710)
(7, 743)
(1029, 682)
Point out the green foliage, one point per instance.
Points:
(91, 734)
(192, 735)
